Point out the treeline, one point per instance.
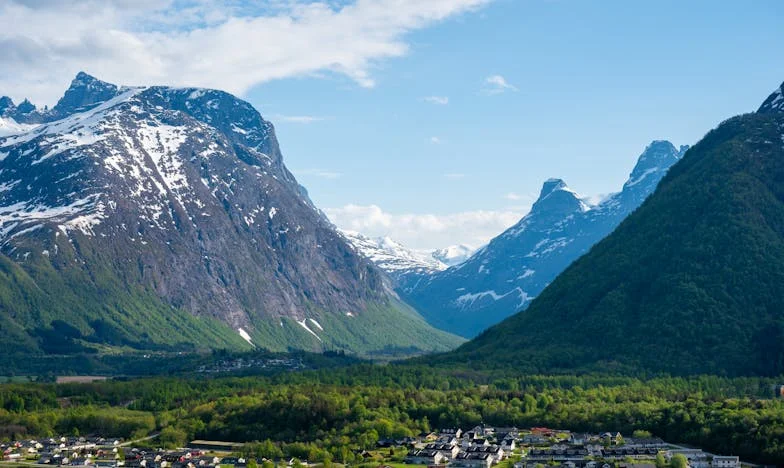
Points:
(332, 414)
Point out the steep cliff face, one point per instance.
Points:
(183, 194)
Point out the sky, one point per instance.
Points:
(433, 122)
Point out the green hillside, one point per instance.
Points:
(692, 282)
(59, 309)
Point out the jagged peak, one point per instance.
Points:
(83, 79)
(25, 107)
(556, 196)
(85, 91)
(774, 102)
(658, 156)
(550, 185)
(6, 103)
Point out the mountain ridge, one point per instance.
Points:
(505, 275)
(181, 195)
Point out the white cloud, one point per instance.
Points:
(425, 231)
(204, 42)
(439, 100)
(513, 196)
(303, 119)
(496, 84)
(321, 173)
(435, 140)
(454, 175)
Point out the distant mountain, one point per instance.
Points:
(164, 218)
(453, 255)
(393, 257)
(690, 283)
(502, 277)
(406, 267)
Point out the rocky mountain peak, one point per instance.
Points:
(85, 91)
(557, 198)
(25, 107)
(774, 102)
(5, 104)
(657, 158)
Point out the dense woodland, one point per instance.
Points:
(329, 414)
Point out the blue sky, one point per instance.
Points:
(393, 125)
(594, 86)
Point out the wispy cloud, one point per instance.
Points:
(303, 119)
(513, 196)
(454, 175)
(425, 230)
(496, 84)
(435, 140)
(324, 174)
(439, 100)
(205, 42)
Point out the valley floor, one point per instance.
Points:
(390, 414)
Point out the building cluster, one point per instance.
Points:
(64, 451)
(483, 447)
(244, 363)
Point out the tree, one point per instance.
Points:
(679, 461)
(660, 461)
(172, 437)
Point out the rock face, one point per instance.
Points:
(502, 278)
(183, 194)
(690, 283)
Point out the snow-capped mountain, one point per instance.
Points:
(406, 267)
(393, 257)
(453, 255)
(165, 216)
(502, 277)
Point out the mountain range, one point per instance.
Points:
(692, 282)
(505, 275)
(165, 218)
(400, 262)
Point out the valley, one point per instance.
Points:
(415, 285)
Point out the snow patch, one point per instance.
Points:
(245, 336)
(316, 324)
(304, 324)
(468, 300)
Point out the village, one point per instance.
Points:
(479, 447)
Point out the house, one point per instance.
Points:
(208, 461)
(425, 457)
(447, 450)
(579, 438)
(451, 440)
(696, 457)
(479, 443)
(534, 439)
(508, 444)
(473, 460)
(452, 432)
(612, 439)
(725, 462)
(385, 443)
(493, 450)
